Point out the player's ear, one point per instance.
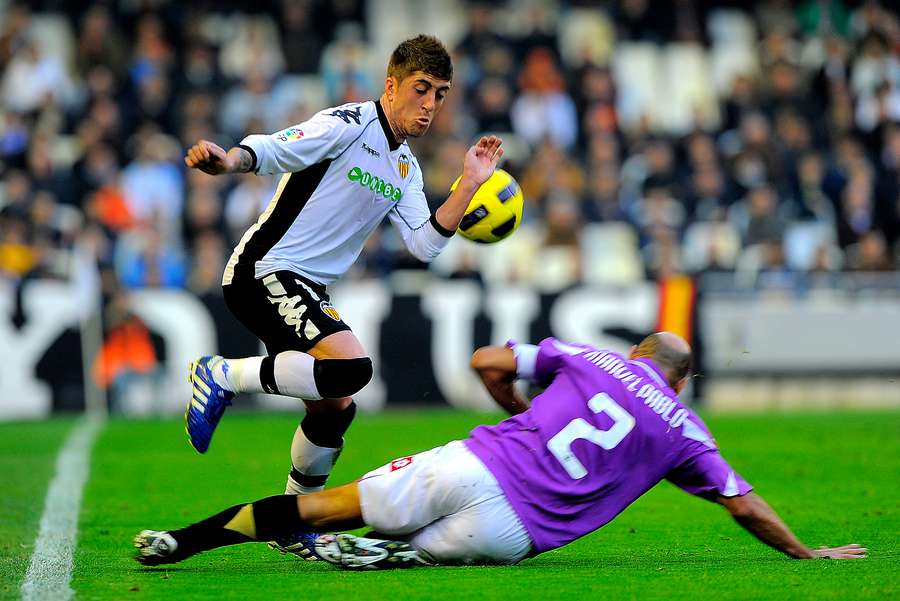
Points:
(391, 86)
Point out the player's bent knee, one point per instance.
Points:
(337, 378)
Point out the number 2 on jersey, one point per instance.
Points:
(561, 444)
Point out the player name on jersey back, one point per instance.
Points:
(604, 431)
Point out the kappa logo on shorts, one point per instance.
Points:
(329, 310)
(291, 308)
(399, 464)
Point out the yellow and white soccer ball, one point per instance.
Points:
(495, 211)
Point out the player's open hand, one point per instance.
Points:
(482, 159)
(208, 157)
(846, 552)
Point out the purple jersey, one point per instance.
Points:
(604, 432)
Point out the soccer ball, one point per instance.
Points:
(495, 211)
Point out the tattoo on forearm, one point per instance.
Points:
(245, 161)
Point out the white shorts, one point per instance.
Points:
(447, 505)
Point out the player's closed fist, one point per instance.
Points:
(208, 157)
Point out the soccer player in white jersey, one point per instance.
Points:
(606, 430)
(345, 170)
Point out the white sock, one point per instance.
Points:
(309, 460)
(238, 375)
(293, 375)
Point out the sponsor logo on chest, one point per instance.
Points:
(374, 183)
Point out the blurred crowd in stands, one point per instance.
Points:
(649, 138)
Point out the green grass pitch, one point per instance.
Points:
(835, 478)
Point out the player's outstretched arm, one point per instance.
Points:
(755, 515)
(496, 366)
(480, 162)
(211, 158)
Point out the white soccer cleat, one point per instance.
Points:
(155, 547)
(358, 553)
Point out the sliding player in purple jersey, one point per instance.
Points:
(606, 430)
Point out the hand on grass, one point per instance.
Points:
(853, 551)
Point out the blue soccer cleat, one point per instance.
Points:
(208, 403)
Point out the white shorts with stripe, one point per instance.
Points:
(447, 505)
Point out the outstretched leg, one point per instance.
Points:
(263, 520)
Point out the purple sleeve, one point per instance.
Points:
(708, 475)
(540, 364)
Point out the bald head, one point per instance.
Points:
(670, 352)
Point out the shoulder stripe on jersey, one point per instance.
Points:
(228, 276)
(365, 127)
(275, 221)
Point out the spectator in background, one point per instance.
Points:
(874, 64)
(810, 197)
(759, 217)
(145, 258)
(558, 262)
(245, 203)
(130, 353)
(655, 162)
(152, 54)
(244, 104)
(741, 100)
(543, 108)
(603, 198)
(99, 43)
(347, 68)
(657, 209)
(889, 185)
(203, 214)
(480, 48)
(493, 99)
(208, 256)
(596, 101)
(33, 77)
(253, 50)
(603, 149)
(302, 40)
(707, 200)
(870, 254)
(857, 215)
(644, 21)
(550, 169)
(879, 108)
(812, 136)
(200, 71)
(152, 183)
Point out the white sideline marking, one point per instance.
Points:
(50, 571)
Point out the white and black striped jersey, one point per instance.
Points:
(343, 172)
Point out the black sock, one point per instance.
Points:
(272, 518)
(327, 429)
